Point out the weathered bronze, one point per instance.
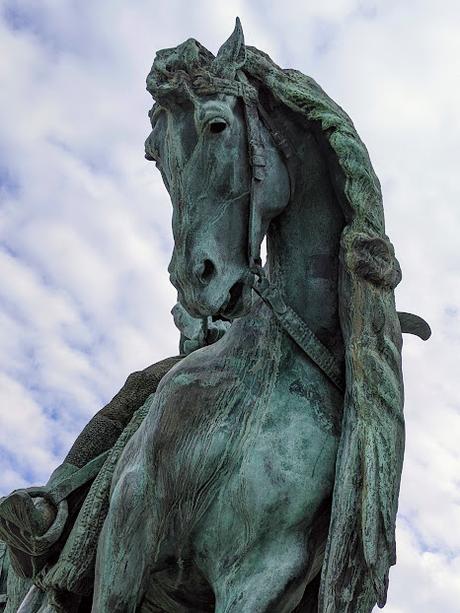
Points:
(259, 473)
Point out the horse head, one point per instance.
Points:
(213, 152)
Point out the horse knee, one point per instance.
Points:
(124, 548)
(126, 497)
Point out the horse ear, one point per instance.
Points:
(232, 55)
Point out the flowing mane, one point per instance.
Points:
(361, 545)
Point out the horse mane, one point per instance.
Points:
(361, 541)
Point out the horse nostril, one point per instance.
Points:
(207, 271)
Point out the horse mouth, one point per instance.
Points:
(233, 307)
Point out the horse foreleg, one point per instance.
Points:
(269, 579)
(125, 546)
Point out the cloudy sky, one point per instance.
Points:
(85, 221)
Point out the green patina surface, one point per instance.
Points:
(243, 477)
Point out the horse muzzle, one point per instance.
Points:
(215, 298)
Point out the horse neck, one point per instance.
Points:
(303, 244)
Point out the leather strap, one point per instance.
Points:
(257, 162)
(297, 329)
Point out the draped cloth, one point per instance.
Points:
(111, 428)
(74, 570)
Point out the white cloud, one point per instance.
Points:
(427, 581)
(25, 421)
(85, 221)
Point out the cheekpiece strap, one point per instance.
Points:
(207, 84)
(258, 167)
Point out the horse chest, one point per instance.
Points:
(272, 446)
(288, 468)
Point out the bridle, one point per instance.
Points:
(206, 83)
(293, 325)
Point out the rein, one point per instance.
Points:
(297, 329)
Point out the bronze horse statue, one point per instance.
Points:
(264, 476)
(222, 499)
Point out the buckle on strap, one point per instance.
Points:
(268, 292)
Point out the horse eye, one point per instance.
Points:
(217, 125)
